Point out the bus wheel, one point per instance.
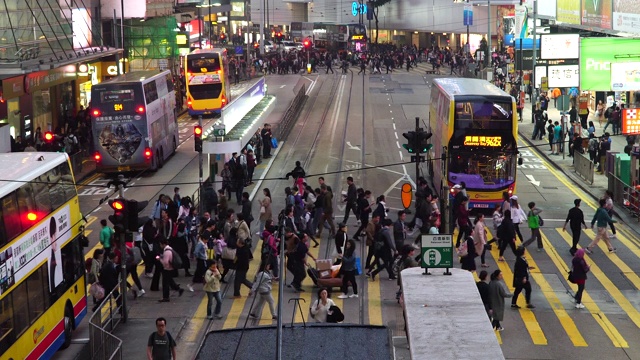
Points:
(175, 145)
(68, 328)
(158, 161)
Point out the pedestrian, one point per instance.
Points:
(106, 237)
(108, 278)
(242, 267)
(321, 306)
(373, 226)
(327, 208)
(94, 270)
(385, 251)
(468, 260)
(267, 136)
(464, 223)
(265, 209)
(161, 345)
(364, 209)
(579, 270)
(262, 286)
(166, 259)
(517, 216)
(270, 249)
(400, 229)
(212, 279)
(340, 241)
(550, 128)
(521, 280)
(608, 196)
(483, 289)
(349, 270)
(575, 219)
(251, 166)
(351, 201)
(497, 293)
(200, 254)
(479, 235)
(533, 220)
(602, 218)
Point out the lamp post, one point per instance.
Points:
(533, 68)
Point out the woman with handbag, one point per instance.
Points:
(265, 210)
(321, 306)
(468, 261)
(579, 270)
(479, 235)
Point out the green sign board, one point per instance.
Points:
(437, 251)
(596, 56)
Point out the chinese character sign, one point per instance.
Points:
(631, 121)
(490, 141)
(564, 76)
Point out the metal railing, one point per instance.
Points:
(290, 116)
(584, 167)
(104, 345)
(627, 197)
(77, 160)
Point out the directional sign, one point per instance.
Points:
(219, 131)
(437, 251)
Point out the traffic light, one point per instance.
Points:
(223, 38)
(197, 136)
(307, 44)
(417, 142)
(119, 217)
(133, 210)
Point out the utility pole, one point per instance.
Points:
(489, 35)
(533, 68)
(263, 26)
(200, 172)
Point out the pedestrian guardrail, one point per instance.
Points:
(584, 167)
(290, 116)
(103, 321)
(625, 196)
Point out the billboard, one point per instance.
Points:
(596, 13)
(560, 46)
(568, 11)
(625, 76)
(631, 121)
(596, 56)
(626, 16)
(563, 76)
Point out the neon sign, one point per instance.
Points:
(357, 8)
(491, 141)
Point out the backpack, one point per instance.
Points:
(397, 266)
(176, 260)
(91, 277)
(593, 144)
(97, 291)
(153, 338)
(462, 250)
(266, 248)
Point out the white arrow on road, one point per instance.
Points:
(533, 180)
(351, 147)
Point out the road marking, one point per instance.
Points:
(624, 268)
(533, 180)
(600, 317)
(528, 316)
(613, 291)
(281, 86)
(237, 305)
(375, 301)
(336, 111)
(351, 147)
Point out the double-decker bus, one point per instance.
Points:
(207, 81)
(134, 121)
(474, 138)
(42, 285)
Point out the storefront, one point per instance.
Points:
(93, 73)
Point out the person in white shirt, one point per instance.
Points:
(517, 216)
(321, 306)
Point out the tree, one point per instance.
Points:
(376, 4)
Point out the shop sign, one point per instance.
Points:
(626, 16)
(560, 46)
(568, 11)
(596, 13)
(544, 83)
(631, 121)
(583, 104)
(45, 79)
(596, 57)
(12, 87)
(564, 76)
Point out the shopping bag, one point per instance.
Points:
(274, 143)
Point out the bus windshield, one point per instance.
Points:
(201, 63)
(483, 114)
(482, 171)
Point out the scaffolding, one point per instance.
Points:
(151, 43)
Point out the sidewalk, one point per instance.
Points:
(565, 163)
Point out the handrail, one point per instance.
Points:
(288, 119)
(104, 345)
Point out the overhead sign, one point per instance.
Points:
(625, 76)
(467, 16)
(563, 76)
(437, 251)
(544, 83)
(596, 57)
(631, 121)
(490, 141)
(568, 11)
(357, 8)
(596, 13)
(626, 16)
(560, 46)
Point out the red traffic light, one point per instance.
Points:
(197, 130)
(48, 136)
(117, 205)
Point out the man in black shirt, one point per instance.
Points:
(575, 218)
(161, 345)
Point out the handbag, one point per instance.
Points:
(540, 221)
(274, 143)
(228, 254)
(571, 277)
(263, 210)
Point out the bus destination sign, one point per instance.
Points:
(118, 107)
(490, 141)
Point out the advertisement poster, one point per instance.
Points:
(631, 121)
(625, 76)
(560, 46)
(563, 76)
(626, 16)
(596, 56)
(569, 11)
(596, 13)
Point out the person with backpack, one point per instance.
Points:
(170, 261)
(521, 279)
(242, 267)
(200, 254)
(270, 249)
(506, 233)
(108, 278)
(131, 260)
(533, 220)
(106, 237)
(385, 251)
(161, 345)
(179, 243)
(593, 148)
(349, 270)
(579, 270)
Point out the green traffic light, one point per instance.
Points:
(409, 149)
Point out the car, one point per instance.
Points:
(288, 46)
(269, 46)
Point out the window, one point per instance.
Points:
(205, 63)
(169, 83)
(72, 262)
(26, 204)
(205, 91)
(36, 284)
(483, 114)
(150, 92)
(20, 308)
(482, 171)
(10, 217)
(7, 333)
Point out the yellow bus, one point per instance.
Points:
(475, 139)
(207, 81)
(42, 284)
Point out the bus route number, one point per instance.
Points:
(118, 107)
